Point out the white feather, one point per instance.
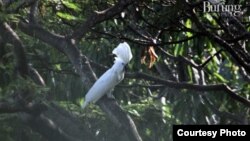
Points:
(111, 77)
(123, 52)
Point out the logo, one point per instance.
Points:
(221, 7)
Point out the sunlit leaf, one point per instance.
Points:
(221, 78)
(71, 5)
(176, 49)
(66, 16)
(134, 112)
(188, 25)
(9, 17)
(58, 67)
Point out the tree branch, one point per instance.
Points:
(10, 35)
(21, 62)
(57, 124)
(33, 12)
(98, 17)
(210, 58)
(179, 85)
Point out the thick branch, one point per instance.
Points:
(34, 12)
(59, 42)
(21, 62)
(51, 121)
(56, 124)
(10, 35)
(215, 87)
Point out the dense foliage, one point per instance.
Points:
(188, 67)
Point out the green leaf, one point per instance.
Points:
(178, 50)
(209, 17)
(9, 17)
(188, 24)
(66, 16)
(58, 67)
(166, 111)
(71, 5)
(221, 78)
(134, 112)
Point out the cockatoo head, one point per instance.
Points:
(123, 53)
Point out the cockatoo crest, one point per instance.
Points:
(123, 53)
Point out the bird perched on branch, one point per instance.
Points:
(111, 77)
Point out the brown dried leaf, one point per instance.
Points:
(153, 56)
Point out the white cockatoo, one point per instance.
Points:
(111, 77)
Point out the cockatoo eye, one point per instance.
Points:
(123, 64)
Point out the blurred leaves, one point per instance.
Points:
(154, 109)
(4, 17)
